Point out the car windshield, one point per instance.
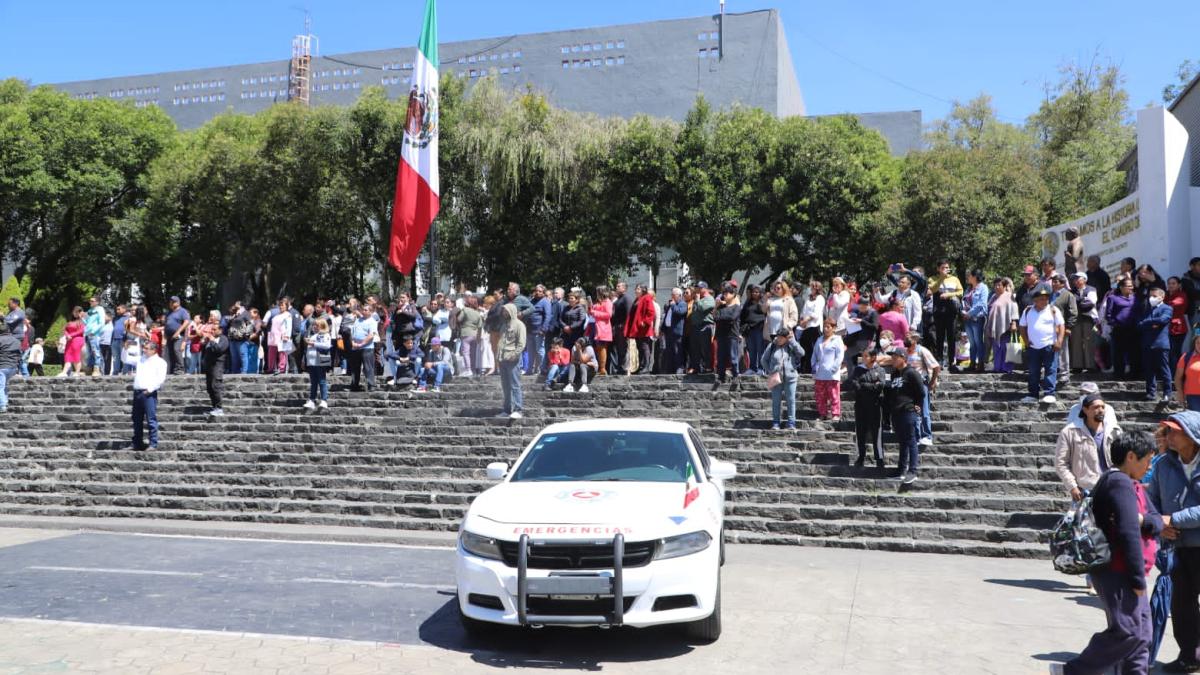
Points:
(648, 456)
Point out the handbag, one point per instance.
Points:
(774, 380)
(1077, 544)
(1014, 351)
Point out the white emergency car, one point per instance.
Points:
(603, 522)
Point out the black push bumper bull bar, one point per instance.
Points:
(571, 584)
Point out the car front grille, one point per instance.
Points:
(575, 606)
(579, 556)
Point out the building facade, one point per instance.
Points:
(656, 68)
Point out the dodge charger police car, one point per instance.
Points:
(598, 523)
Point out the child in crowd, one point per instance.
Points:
(318, 361)
(559, 358)
(37, 355)
(962, 351)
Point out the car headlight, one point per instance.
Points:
(484, 547)
(684, 544)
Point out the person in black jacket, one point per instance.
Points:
(868, 380)
(867, 321)
(726, 315)
(905, 394)
(214, 356)
(1131, 524)
(573, 320)
(622, 305)
(752, 319)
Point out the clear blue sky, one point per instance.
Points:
(849, 56)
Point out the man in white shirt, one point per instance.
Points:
(149, 378)
(1043, 327)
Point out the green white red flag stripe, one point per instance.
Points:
(691, 491)
(417, 188)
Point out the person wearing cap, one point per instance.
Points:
(1131, 525)
(435, 367)
(1081, 452)
(1067, 304)
(782, 359)
(905, 394)
(1122, 320)
(1043, 328)
(1083, 337)
(701, 322)
(1156, 346)
(149, 378)
(1086, 388)
(1187, 375)
(174, 331)
(867, 380)
(1172, 490)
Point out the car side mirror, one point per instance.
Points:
(497, 470)
(722, 470)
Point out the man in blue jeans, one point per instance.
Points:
(436, 366)
(1043, 327)
(149, 378)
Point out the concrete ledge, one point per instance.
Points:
(317, 533)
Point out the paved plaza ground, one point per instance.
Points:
(127, 603)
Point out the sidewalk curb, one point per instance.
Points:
(228, 530)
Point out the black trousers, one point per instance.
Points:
(1185, 601)
(808, 338)
(106, 356)
(700, 350)
(645, 347)
(360, 361)
(944, 337)
(868, 428)
(214, 380)
(618, 353)
(1126, 352)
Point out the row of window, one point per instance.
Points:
(337, 86)
(398, 66)
(593, 63)
(498, 56)
(138, 91)
(86, 96)
(206, 84)
(338, 72)
(504, 70)
(714, 35)
(263, 80)
(203, 98)
(593, 46)
(712, 53)
(146, 103)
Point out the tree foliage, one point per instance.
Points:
(1187, 71)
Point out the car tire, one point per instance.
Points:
(474, 627)
(707, 630)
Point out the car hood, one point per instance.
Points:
(566, 509)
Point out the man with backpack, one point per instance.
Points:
(1080, 455)
(241, 327)
(1173, 491)
(1043, 327)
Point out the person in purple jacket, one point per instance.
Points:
(1131, 524)
(1122, 316)
(1156, 346)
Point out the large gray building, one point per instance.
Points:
(657, 68)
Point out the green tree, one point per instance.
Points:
(1187, 71)
(11, 289)
(1083, 129)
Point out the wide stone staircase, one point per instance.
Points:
(389, 459)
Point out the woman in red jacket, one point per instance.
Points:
(601, 313)
(640, 326)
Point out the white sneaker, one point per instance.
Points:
(516, 415)
(1049, 399)
(323, 405)
(583, 389)
(925, 441)
(1029, 399)
(502, 415)
(569, 389)
(309, 405)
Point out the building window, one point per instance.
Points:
(703, 36)
(245, 81)
(608, 45)
(714, 53)
(566, 65)
(470, 59)
(462, 59)
(220, 97)
(357, 84)
(620, 60)
(517, 68)
(337, 86)
(587, 48)
(395, 79)
(474, 73)
(575, 63)
(608, 61)
(219, 84)
(575, 48)
(517, 54)
(703, 54)
(713, 35)
(408, 66)
(566, 50)
(596, 47)
(504, 55)
(620, 44)
(587, 63)
(504, 70)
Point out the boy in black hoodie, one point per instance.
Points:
(868, 381)
(905, 393)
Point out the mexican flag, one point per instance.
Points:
(417, 201)
(691, 491)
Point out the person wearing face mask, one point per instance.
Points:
(1083, 445)
(1156, 346)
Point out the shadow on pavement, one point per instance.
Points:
(585, 649)
(1038, 585)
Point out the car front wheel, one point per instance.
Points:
(708, 629)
